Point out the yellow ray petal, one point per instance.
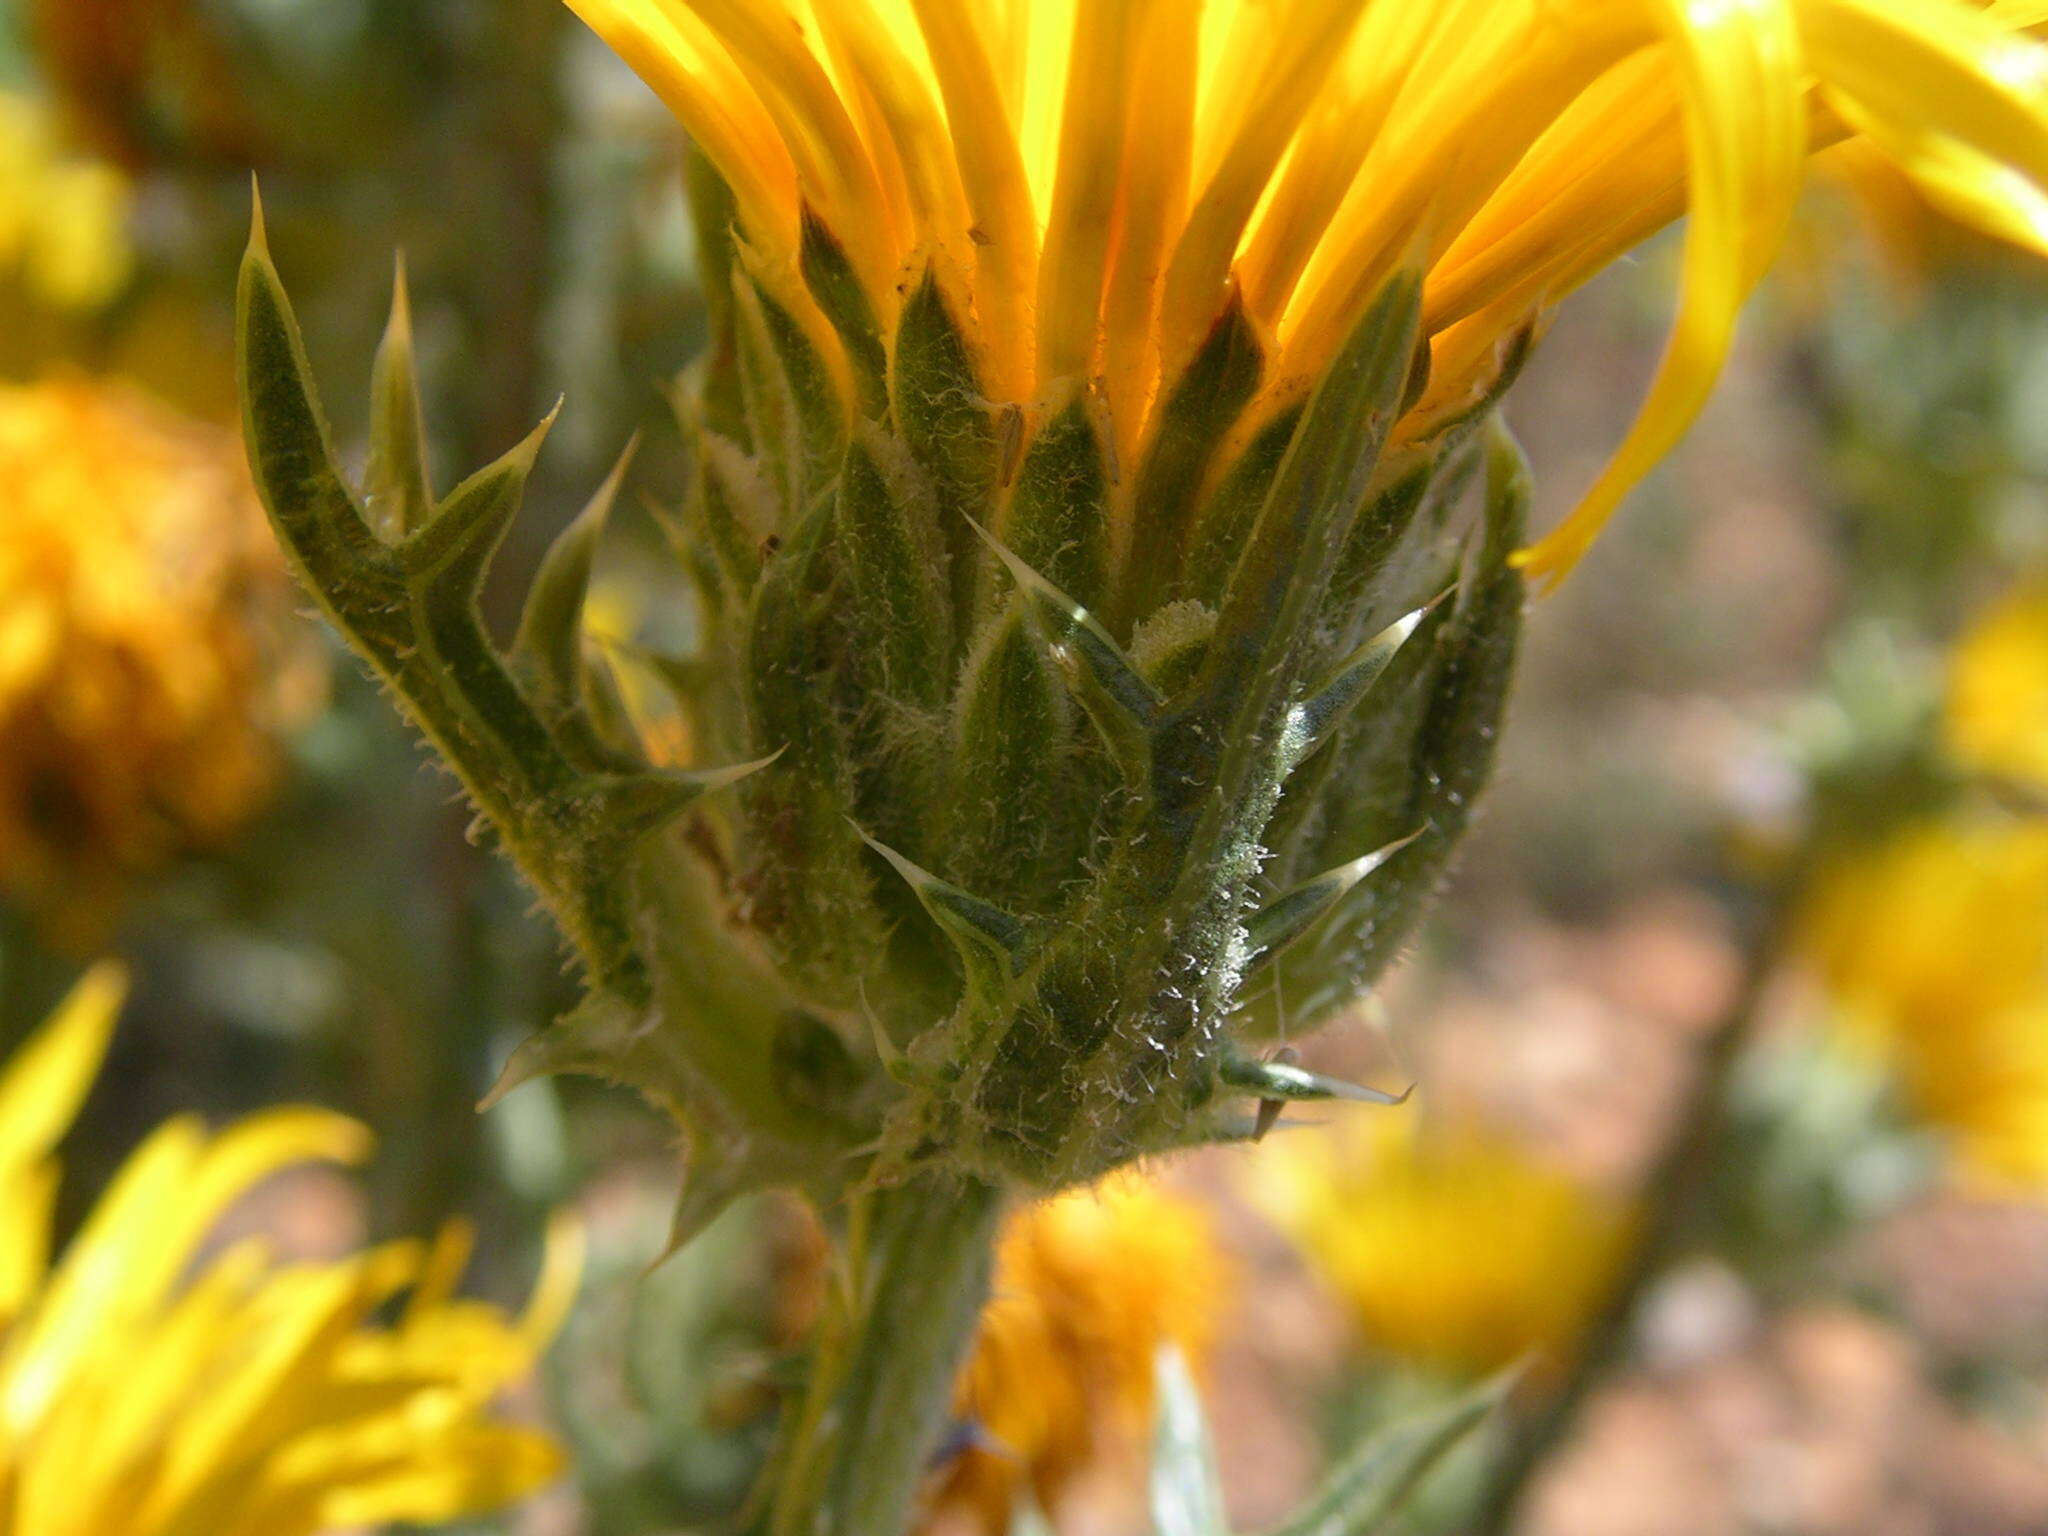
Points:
(685, 66)
(1935, 69)
(831, 158)
(43, 1085)
(1081, 228)
(96, 1272)
(1746, 131)
(561, 1276)
(992, 171)
(142, 1234)
(1198, 277)
(27, 1199)
(907, 112)
(271, 1390)
(1155, 196)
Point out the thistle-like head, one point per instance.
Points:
(1105, 548)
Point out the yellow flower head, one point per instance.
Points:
(1936, 949)
(63, 220)
(153, 1386)
(1100, 181)
(1997, 716)
(1089, 1285)
(1451, 1248)
(148, 654)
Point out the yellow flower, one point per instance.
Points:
(1997, 716)
(1099, 180)
(63, 220)
(1450, 1247)
(1936, 950)
(148, 653)
(1089, 1285)
(151, 1385)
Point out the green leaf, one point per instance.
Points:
(1187, 1495)
(992, 943)
(1286, 917)
(838, 290)
(1012, 725)
(291, 451)
(1058, 520)
(1106, 683)
(901, 615)
(1197, 415)
(1333, 699)
(454, 550)
(1265, 623)
(1379, 1478)
(401, 497)
(549, 647)
(1282, 1081)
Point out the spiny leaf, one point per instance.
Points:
(1011, 736)
(594, 1039)
(290, 449)
(401, 497)
(1197, 415)
(902, 611)
(1281, 1080)
(1312, 721)
(1285, 918)
(840, 294)
(1187, 1496)
(1264, 623)
(1124, 707)
(1376, 1482)
(550, 641)
(1058, 518)
(637, 804)
(453, 552)
(937, 395)
(992, 943)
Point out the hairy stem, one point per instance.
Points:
(919, 1259)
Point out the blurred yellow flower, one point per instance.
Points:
(1450, 1247)
(63, 219)
(1997, 717)
(1936, 951)
(152, 1384)
(148, 651)
(1088, 1286)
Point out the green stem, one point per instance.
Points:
(883, 1381)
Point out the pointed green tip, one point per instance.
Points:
(599, 508)
(398, 328)
(259, 233)
(530, 446)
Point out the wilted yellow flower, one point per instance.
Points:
(1101, 180)
(1450, 1246)
(148, 654)
(1997, 716)
(63, 219)
(153, 1386)
(1089, 1285)
(1936, 949)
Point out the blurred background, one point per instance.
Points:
(1731, 1033)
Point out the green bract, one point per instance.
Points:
(1010, 848)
